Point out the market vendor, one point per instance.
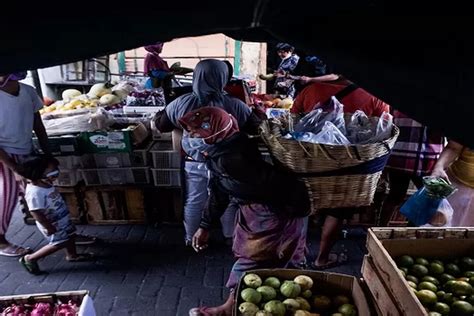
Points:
(456, 164)
(273, 205)
(19, 116)
(289, 61)
(209, 78)
(353, 98)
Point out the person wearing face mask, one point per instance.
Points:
(273, 205)
(209, 78)
(289, 61)
(49, 211)
(19, 116)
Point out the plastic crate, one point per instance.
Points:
(90, 176)
(69, 162)
(164, 157)
(68, 178)
(112, 160)
(110, 176)
(167, 177)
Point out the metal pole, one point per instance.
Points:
(37, 83)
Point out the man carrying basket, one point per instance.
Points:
(353, 98)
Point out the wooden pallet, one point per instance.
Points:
(385, 244)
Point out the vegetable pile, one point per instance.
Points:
(438, 188)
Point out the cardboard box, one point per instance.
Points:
(86, 307)
(121, 140)
(329, 283)
(385, 244)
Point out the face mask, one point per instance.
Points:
(52, 174)
(17, 76)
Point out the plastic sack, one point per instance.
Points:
(383, 129)
(332, 111)
(77, 121)
(420, 207)
(359, 128)
(443, 216)
(329, 135)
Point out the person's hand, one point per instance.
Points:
(440, 173)
(50, 230)
(280, 73)
(200, 239)
(305, 79)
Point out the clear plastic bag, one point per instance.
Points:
(383, 129)
(332, 111)
(359, 128)
(329, 135)
(443, 216)
(77, 121)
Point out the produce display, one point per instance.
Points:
(272, 296)
(42, 309)
(146, 97)
(443, 287)
(100, 94)
(270, 101)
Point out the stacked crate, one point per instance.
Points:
(116, 168)
(166, 169)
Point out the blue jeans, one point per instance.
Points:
(197, 180)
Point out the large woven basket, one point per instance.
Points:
(335, 191)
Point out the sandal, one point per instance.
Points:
(14, 251)
(30, 266)
(81, 258)
(199, 311)
(330, 264)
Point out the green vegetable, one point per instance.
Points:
(438, 188)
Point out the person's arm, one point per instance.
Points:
(38, 215)
(40, 132)
(163, 123)
(330, 77)
(450, 154)
(216, 206)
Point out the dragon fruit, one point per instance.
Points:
(42, 309)
(69, 309)
(15, 310)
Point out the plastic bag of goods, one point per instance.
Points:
(332, 111)
(76, 121)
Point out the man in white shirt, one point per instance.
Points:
(19, 116)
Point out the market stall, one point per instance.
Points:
(110, 160)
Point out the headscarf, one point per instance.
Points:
(153, 60)
(209, 79)
(211, 123)
(156, 48)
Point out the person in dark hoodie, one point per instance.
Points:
(209, 78)
(273, 205)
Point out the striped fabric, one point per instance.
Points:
(10, 188)
(417, 148)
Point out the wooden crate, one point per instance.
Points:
(73, 196)
(385, 244)
(114, 205)
(330, 283)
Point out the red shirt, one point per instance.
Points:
(320, 92)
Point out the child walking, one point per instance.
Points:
(49, 211)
